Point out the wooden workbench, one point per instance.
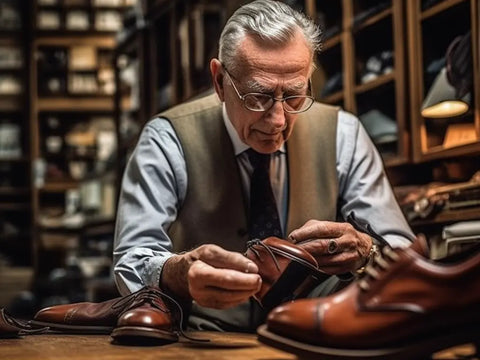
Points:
(223, 346)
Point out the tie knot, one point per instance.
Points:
(258, 160)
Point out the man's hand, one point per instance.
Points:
(211, 276)
(352, 250)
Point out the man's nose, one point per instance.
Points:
(276, 115)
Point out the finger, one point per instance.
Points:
(220, 258)
(204, 275)
(317, 230)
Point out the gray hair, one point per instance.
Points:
(270, 20)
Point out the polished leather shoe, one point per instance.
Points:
(11, 327)
(405, 307)
(288, 272)
(147, 313)
(149, 317)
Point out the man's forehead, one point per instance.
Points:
(293, 57)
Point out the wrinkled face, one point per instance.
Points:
(279, 71)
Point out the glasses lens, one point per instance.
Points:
(297, 103)
(257, 102)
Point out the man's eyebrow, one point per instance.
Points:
(255, 86)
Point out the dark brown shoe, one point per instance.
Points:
(288, 271)
(406, 307)
(140, 314)
(11, 327)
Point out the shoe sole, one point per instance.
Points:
(74, 329)
(127, 333)
(422, 349)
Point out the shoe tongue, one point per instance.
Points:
(420, 246)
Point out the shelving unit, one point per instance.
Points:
(16, 261)
(74, 134)
(364, 76)
(430, 40)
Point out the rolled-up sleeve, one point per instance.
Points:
(363, 185)
(153, 188)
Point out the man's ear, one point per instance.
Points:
(217, 77)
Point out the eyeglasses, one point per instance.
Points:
(263, 102)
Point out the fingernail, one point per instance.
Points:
(292, 238)
(247, 270)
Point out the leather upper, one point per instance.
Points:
(404, 295)
(84, 313)
(272, 256)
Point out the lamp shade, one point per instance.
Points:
(442, 101)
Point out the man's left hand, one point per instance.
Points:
(337, 247)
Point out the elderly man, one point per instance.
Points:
(187, 208)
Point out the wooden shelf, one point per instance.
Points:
(12, 103)
(15, 206)
(440, 7)
(58, 187)
(79, 38)
(331, 42)
(333, 98)
(14, 191)
(373, 19)
(88, 104)
(380, 81)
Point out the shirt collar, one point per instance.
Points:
(238, 145)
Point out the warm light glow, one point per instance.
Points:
(445, 109)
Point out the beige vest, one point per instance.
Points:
(214, 210)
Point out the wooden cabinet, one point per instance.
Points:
(431, 31)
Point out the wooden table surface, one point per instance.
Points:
(223, 346)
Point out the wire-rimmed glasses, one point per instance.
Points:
(260, 102)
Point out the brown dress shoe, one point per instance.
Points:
(11, 327)
(405, 307)
(288, 271)
(142, 313)
(80, 318)
(149, 317)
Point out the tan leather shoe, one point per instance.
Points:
(288, 271)
(145, 313)
(406, 307)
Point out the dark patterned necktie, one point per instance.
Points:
(264, 220)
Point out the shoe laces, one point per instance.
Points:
(155, 297)
(381, 263)
(251, 246)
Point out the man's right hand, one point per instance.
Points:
(211, 276)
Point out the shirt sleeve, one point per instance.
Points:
(153, 187)
(363, 185)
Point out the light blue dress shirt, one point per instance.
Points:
(155, 183)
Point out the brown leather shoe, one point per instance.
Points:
(11, 327)
(288, 271)
(149, 317)
(81, 318)
(141, 314)
(405, 307)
